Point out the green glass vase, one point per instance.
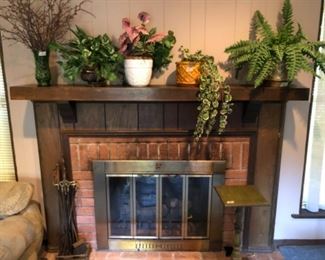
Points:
(42, 67)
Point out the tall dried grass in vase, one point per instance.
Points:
(37, 24)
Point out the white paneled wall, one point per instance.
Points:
(209, 25)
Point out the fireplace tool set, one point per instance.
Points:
(70, 245)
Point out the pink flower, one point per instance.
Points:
(144, 17)
(156, 38)
(125, 23)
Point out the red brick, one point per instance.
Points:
(83, 152)
(86, 184)
(202, 151)
(172, 151)
(236, 156)
(143, 151)
(184, 151)
(153, 151)
(122, 152)
(215, 151)
(74, 156)
(89, 236)
(84, 228)
(85, 202)
(74, 140)
(235, 174)
(85, 219)
(228, 237)
(162, 151)
(113, 154)
(227, 153)
(85, 211)
(194, 147)
(132, 151)
(85, 193)
(235, 182)
(82, 175)
(229, 211)
(245, 156)
(103, 151)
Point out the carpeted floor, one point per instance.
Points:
(316, 252)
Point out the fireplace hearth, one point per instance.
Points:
(157, 204)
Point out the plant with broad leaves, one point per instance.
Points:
(139, 41)
(87, 52)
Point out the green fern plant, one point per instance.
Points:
(282, 49)
(214, 95)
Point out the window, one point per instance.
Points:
(7, 166)
(313, 198)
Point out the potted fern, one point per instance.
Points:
(95, 59)
(214, 95)
(145, 51)
(277, 55)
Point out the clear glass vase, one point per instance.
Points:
(42, 67)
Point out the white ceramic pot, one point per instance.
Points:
(138, 71)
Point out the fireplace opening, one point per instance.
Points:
(157, 205)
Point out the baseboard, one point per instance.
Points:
(297, 242)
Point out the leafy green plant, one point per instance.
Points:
(214, 95)
(139, 41)
(270, 50)
(87, 52)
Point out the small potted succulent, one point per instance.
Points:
(277, 55)
(214, 94)
(95, 59)
(145, 51)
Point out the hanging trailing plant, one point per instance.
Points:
(214, 94)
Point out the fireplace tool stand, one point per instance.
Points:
(239, 197)
(70, 245)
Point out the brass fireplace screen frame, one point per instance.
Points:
(104, 169)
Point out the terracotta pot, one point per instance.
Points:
(138, 71)
(188, 73)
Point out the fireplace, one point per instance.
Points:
(157, 204)
(63, 113)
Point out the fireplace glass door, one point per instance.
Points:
(158, 206)
(120, 206)
(172, 204)
(146, 206)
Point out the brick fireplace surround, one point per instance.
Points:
(82, 124)
(234, 150)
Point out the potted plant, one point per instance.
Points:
(145, 51)
(94, 59)
(277, 55)
(214, 95)
(188, 70)
(37, 24)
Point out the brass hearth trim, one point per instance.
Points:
(158, 245)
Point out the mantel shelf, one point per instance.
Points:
(64, 93)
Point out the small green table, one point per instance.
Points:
(239, 197)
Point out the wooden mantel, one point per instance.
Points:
(62, 112)
(149, 94)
